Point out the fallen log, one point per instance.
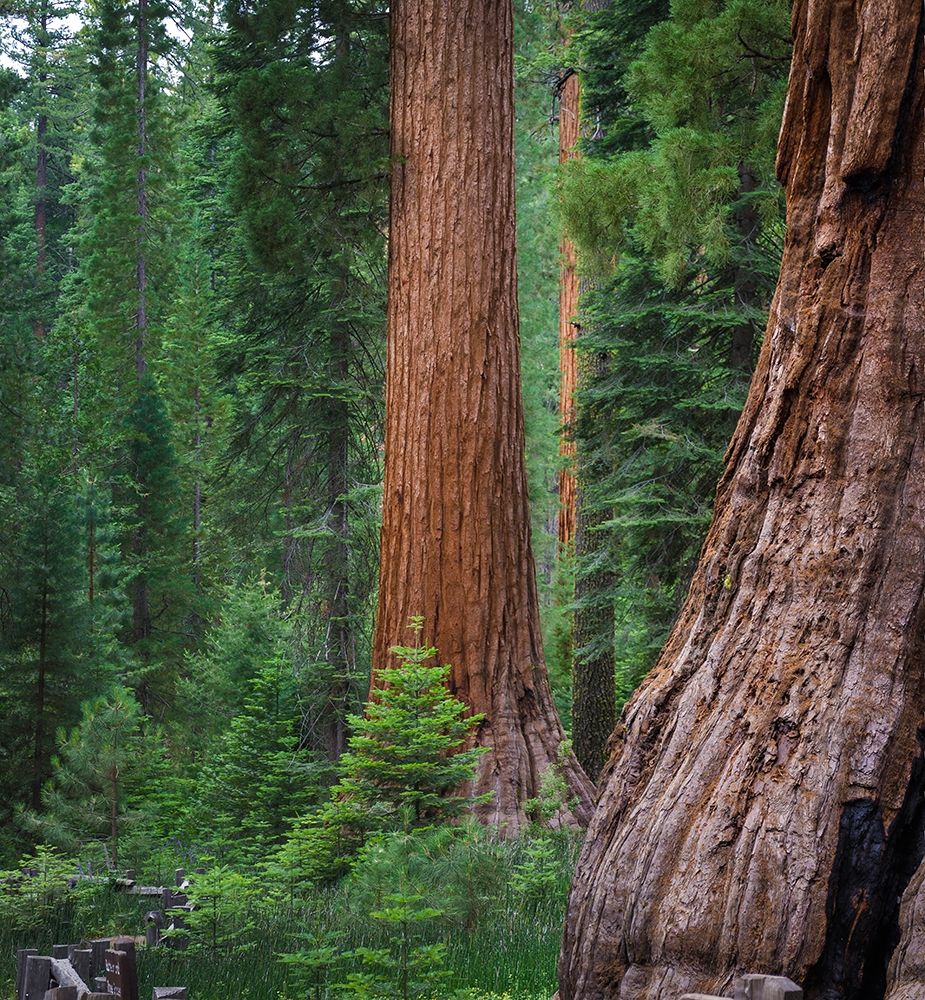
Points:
(66, 975)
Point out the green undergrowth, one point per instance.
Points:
(448, 912)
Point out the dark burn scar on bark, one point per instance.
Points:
(871, 871)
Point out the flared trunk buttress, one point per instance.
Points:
(456, 526)
(762, 804)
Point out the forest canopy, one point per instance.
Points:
(368, 374)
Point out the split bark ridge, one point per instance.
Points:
(763, 807)
(456, 527)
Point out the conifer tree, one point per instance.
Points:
(125, 274)
(409, 755)
(48, 652)
(304, 94)
(669, 333)
(456, 529)
(40, 41)
(96, 795)
(259, 777)
(18, 356)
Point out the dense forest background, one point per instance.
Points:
(193, 222)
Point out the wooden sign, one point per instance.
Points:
(122, 974)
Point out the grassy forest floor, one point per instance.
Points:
(459, 912)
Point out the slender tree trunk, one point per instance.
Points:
(745, 287)
(38, 759)
(339, 637)
(141, 610)
(593, 686)
(41, 170)
(569, 108)
(339, 631)
(141, 111)
(295, 578)
(197, 490)
(456, 527)
(594, 699)
(114, 814)
(763, 806)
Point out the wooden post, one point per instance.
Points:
(62, 993)
(21, 955)
(98, 956)
(82, 960)
(170, 993)
(179, 876)
(121, 973)
(60, 950)
(38, 976)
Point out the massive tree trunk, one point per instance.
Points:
(456, 527)
(763, 802)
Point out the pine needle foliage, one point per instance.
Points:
(95, 802)
(406, 755)
(678, 219)
(406, 762)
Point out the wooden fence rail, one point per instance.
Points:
(109, 963)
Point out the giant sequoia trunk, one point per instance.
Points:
(456, 528)
(763, 803)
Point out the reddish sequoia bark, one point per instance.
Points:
(569, 104)
(594, 700)
(762, 805)
(456, 528)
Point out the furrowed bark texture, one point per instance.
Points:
(762, 801)
(456, 528)
(569, 107)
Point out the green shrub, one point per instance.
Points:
(404, 765)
